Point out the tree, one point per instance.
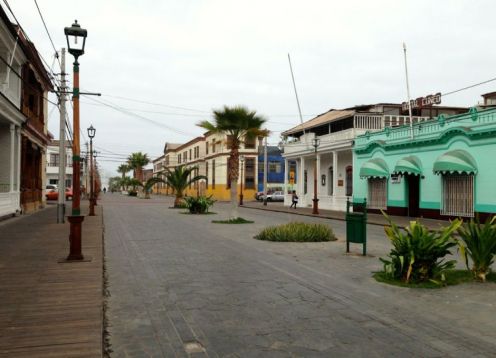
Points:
(136, 162)
(147, 187)
(239, 124)
(114, 183)
(179, 179)
(123, 169)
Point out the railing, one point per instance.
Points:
(4, 188)
(430, 128)
(368, 121)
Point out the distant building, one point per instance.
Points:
(275, 174)
(166, 161)
(489, 99)
(54, 162)
(442, 169)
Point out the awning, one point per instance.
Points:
(408, 165)
(455, 161)
(374, 168)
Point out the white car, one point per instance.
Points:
(276, 196)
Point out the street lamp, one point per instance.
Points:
(242, 159)
(315, 211)
(91, 135)
(76, 40)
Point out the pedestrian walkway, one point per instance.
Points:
(374, 219)
(47, 308)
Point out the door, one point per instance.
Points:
(413, 185)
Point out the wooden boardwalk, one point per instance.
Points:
(47, 308)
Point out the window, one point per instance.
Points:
(250, 173)
(53, 181)
(330, 182)
(190, 157)
(54, 160)
(250, 143)
(179, 159)
(213, 174)
(206, 147)
(349, 180)
(377, 198)
(305, 182)
(185, 156)
(206, 174)
(213, 145)
(458, 195)
(167, 160)
(275, 167)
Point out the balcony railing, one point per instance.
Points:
(431, 128)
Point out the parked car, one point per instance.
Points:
(276, 196)
(53, 194)
(51, 187)
(260, 194)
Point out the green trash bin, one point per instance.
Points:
(356, 224)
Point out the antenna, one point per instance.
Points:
(297, 99)
(408, 93)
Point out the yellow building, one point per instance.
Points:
(210, 153)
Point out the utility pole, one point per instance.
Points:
(265, 172)
(62, 154)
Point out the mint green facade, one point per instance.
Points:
(457, 145)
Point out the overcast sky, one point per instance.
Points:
(191, 56)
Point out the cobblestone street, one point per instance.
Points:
(181, 285)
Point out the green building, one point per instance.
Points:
(441, 168)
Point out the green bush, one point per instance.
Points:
(198, 205)
(417, 254)
(297, 232)
(478, 242)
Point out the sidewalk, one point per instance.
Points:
(373, 219)
(49, 308)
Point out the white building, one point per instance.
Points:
(336, 131)
(54, 162)
(11, 118)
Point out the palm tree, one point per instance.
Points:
(239, 124)
(147, 187)
(123, 169)
(137, 161)
(179, 179)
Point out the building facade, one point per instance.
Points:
(332, 158)
(11, 117)
(34, 134)
(54, 162)
(160, 165)
(275, 173)
(441, 168)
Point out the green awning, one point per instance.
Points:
(374, 168)
(408, 165)
(455, 161)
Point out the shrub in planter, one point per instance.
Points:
(478, 242)
(418, 254)
(297, 232)
(198, 205)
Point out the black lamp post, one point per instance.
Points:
(91, 135)
(76, 40)
(315, 143)
(242, 160)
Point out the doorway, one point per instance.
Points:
(413, 192)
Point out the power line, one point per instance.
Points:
(48, 33)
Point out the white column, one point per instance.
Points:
(302, 176)
(286, 173)
(334, 173)
(12, 157)
(317, 163)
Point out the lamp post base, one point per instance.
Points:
(75, 253)
(315, 210)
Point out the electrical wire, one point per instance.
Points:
(48, 33)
